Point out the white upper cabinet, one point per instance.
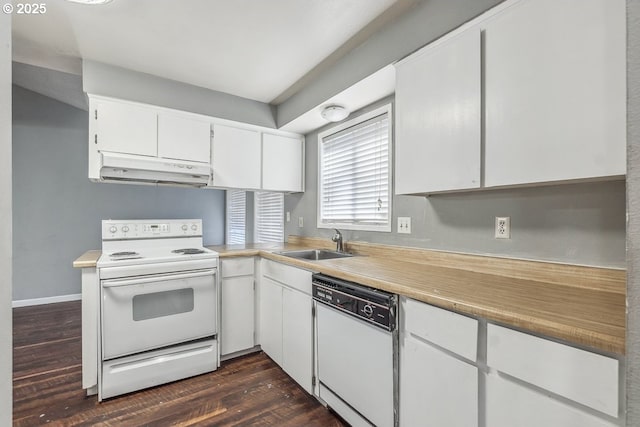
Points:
(184, 138)
(121, 127)
(241, 155)
(236, 158)
(532, 92)
(282, 160)
(555, 91)
(438, 117)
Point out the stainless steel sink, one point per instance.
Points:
(315, 254)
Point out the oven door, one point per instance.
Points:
(148, 312)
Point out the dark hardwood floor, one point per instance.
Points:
(47, 386)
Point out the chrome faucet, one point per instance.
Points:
(338, 239)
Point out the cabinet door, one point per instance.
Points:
(236, 159)
(436, 389)
(438, 117)
(297, 337)
(555, 91)
(126, 128)
(237, 312)
(271, 319)
(513, 405)
(184, 138)
(282, 159)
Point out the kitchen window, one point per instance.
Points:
(354, 183)
(236, 217)
(269, 217)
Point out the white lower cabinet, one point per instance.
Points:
(237, 326)
(297, 337)
(286, 323)
(237, 315)
(436, 389)
(438, 386)
(514, 405)
(271, 319)
(537, 382)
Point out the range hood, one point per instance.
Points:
(117, 167)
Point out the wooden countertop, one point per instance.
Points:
(87, 259)
(582, 305)
(253, 249)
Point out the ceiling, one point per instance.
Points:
(257, 49)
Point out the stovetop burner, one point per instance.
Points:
(124, 253)
(121, 256)
(189, 251)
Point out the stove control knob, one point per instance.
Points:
(113, 229)
(184, 227)
(194, 227)
(368, 310)
(125, 228)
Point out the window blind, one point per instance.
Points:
(354, 182)
(236, 217)
(269, 214)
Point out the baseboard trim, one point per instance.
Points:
(47, 300)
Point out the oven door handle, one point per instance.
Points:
(155, 278)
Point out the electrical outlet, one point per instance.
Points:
(288, 216)
(503, 227)
(300, 221)
(404, 224)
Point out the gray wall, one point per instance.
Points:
(6, 401)
(428, 20)
(633, 207)
(578, 223)
(57, 210)
(107, 80)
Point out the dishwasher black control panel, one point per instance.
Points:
(369, 304)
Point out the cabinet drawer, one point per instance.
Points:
(587, 378)
(295, 278)
(237, 267)
(452, 331)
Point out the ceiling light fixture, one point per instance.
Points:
(93, 2)
(334, 113)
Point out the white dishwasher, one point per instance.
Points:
(356, 343)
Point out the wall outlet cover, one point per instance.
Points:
(503, 227)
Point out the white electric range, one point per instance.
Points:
(158, 304)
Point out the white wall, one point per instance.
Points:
(6, 399)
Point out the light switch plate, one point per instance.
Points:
(300, 221)
(404, 224)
